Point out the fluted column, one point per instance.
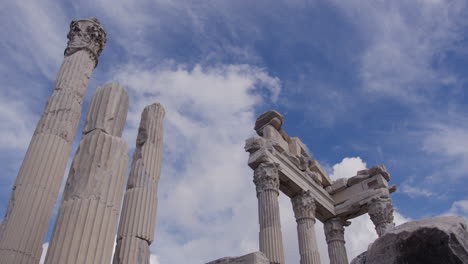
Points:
(304, 211)
(334, 234)
(138, 217)
(381, 213)
(266, 179)
(86, 222)
(38, 182)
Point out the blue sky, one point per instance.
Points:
(360, 82)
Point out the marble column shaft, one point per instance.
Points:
(86, 222)
(138, 217)
(38, 182)
(334, 234)
(381, 213)
(304, 210)
(266, 179)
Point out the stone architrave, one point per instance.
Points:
(381, 213)
(304, 210)
(138, 217)
(334, 234)
(86, 222)
(38, 182)
(267, 183)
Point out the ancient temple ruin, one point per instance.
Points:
(281, 163)
(88, 228)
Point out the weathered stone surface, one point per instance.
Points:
(334, 234)
(86, 34)
(381, 214)
(266, 180)
(87, 218)
(430, 241)
(252, 258)
(38, 182)
(108, 110)
(272, 118)
(304, 211)
(138, 217)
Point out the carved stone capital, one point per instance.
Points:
(254, 143)
(86, 34)
(334, 229)
(266, 177)
(381, 213)
(304, 205)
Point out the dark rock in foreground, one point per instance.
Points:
(430, 241)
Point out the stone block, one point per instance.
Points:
(272, 118)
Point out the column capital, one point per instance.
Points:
(334, 229)
(381, 213)
(266, 177)
(86, 34)
(304, 205)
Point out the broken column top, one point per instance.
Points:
(149, 117)
(272, 118)
(107, 110)
(86, 34)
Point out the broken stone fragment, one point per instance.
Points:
(272, 118)
(431, 241)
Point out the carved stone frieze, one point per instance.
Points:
(266, 177)
(304, 205)
(381, 213)
(86, 34)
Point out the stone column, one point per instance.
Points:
(86, 222)
(38, 182)
(381, 213)
(138, 218)
(267, 183)
(334, 234)
(304, 211)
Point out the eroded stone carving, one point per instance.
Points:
(266, 177)
(381, 214)
(304, 205)
(86, 34)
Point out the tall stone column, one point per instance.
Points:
(334, 234)
(304, 211)
(267, 183)
(38, 182)
(138, 217)
(381, 213)
(86, 222)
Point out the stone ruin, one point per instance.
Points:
(88, 225)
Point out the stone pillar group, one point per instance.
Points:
(334, 234)
(38, 182)
(86, 222)
(267, 183)
(304, 210)
(138, 218)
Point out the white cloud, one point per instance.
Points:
(348, 167)
(405, 40)
(414, 191)
(459, 208)
(207, 204)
